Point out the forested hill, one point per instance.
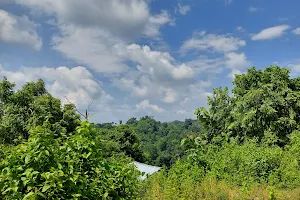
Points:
(160, 142)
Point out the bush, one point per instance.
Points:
(68, 167)
(231, 171)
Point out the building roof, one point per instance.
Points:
(147, 169)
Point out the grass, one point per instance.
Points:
(211, 189)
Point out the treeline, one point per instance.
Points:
(160, 142)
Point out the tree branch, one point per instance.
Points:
(75, 107)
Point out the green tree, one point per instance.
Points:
(126, 139)
(160, 141)
(29, 107)
(264, 104)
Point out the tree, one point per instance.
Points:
(160, 141)
(131, 121)
(264, 105)
(29, 107)
(126, 139)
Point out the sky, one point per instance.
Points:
(132, 58)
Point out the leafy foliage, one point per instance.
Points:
(150, 141)
(77, 166)
(125, 139)
(231, 171)
(248, 148)
(265, 104)
(29, 107)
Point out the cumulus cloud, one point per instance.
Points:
(90, 46)
(237, 62)
(101, 35)
(145, 105)
(126, 19)
(123, 18)
(271, 33)
(90, 32)
(160, 65)
(212, 42)
(76, 83)
(297, 31)
(18, 30)
(170, 95)
(157, 75)
(184, 9)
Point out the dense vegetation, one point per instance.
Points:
(30, 107)
(160, 142)
(47, 153)
(244, 145)
(249, 146)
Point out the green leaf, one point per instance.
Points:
(29, 195)
(46, 187)
(27, 159)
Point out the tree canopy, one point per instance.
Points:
(264, 104)
(30, 106)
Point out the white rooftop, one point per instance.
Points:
(148, 169)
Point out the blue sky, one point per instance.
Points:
(144, 57)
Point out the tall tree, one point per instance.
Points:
(265, 104)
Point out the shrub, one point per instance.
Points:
(68, 167)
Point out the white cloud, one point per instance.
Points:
(119, 17)
(255, 9)
(76, 83)
(18, 30)
(101, 37)
(271, 33)
(212, 42)
(170, 96)
(184, 9)
(90, 46)
(204, 64)
(127, 84)
(297, 31)
(293, 65)
(92, 32)
(145, 105)
(237, 62)
(126, 19)
(157, 75)
(240, 29)
(155, 22)
(160, 65)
